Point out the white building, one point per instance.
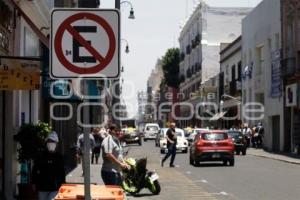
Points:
(200, 40)
(261, 46)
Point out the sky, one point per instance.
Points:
(155, 29)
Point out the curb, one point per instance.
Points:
(278, 159)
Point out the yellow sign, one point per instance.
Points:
(19, 74)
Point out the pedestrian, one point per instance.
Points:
(171, 145)
(113, 163)
(48, 172)
(80, 148)
(97, 147)
(247, 132)
(260, 134)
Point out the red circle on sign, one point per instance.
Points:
(66, 26)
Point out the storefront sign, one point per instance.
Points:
(18, 74)
(291, 95)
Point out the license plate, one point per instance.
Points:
(153, 177)
(216, 155)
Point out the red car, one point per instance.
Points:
(212, 145)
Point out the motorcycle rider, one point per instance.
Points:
(171, 145)
(113, 163)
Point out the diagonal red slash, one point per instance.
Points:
(84, 43)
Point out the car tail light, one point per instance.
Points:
(230, 142)
(200, 143)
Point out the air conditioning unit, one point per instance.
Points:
(211, 96)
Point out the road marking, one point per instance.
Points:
(224, 193)
(188, 172)
(204, 181)
(220, 193)
(177, 166)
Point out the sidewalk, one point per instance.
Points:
(289, 158)
(174, 185)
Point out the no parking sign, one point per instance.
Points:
(85, 43)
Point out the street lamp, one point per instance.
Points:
(127, 46)
(131, 13)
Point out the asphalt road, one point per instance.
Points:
(252, 178)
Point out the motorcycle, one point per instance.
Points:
(138, 177)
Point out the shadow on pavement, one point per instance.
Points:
(141, 195)
(211, 165)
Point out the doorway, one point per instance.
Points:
(276, 133)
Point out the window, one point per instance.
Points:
(260, 59)
(239, 71)
(214, 136)
(31, 43)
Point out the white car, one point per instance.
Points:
(194, 133)
(182, 143)
(150, 131)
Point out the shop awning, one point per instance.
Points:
(218, 116)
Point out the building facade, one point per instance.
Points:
(200, 41)
(291, 74)
(262, 84)
(230, 84)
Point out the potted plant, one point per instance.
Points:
(32, 141)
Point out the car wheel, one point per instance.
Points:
(231, 162)
(197, 163)
(185, 151)
(225, 162)
(145, 140)
(162, 151)
(238, 152)
(244, 152)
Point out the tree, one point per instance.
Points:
(170, 66)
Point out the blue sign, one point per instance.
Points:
(276, 82)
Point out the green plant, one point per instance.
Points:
(170, 65)
(32, 140)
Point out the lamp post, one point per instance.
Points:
(116, 99)
(127, 46)
(131, 13)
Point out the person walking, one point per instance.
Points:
(113, 163)
(48, 172)
(96, 150)
(171, 145)
(80, 148)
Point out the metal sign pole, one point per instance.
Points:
(86, 154)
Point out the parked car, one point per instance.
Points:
(132, 135)
(212, 145)
(151, 130)
(239, 140)
(191, 137)
(182, 143)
